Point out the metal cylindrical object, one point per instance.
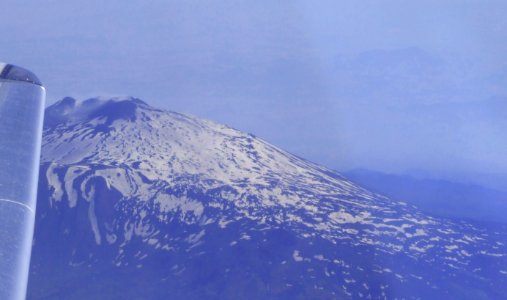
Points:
(22, 99)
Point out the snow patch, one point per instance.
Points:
(296, 256)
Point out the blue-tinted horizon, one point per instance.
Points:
(389, 86)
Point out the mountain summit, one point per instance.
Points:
(138, 202)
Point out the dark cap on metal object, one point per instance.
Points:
(15, 73)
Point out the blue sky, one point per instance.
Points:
(386, 85)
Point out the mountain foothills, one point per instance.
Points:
(438, 197)
(141, 203)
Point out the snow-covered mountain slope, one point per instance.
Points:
(140, 202)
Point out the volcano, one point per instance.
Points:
(136, 202)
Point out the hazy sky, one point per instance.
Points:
(387, 85)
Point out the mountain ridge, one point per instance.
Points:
(438, 197)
